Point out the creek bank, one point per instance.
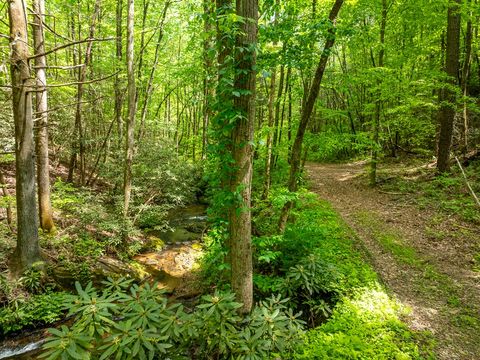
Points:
(170, 261)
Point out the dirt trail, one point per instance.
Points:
(424, 258)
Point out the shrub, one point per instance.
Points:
(136, 322)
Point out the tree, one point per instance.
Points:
(295, 156)
(268, 160)
(43, 173)
(127, 179)
(378, 102)
(149, 87)
(242, 137)
(78, 145)
(447, 107)
(28, 249)
(118, 62)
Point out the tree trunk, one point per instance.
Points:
(278, 124)
(378, 102)
(149, 88)
(127, 179)
(118, 84)
(242, 137)
(307, 109)
(28, 249)
(43, 174)
(8, 208)
(465, 77)
(78, 146)
(447, 107)
(268, 160)
(208, 69)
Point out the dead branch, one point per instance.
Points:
(69, 105)
(75, 83)
(70, 67)
(468, 184)
(60, 47)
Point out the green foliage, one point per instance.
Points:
(33, 279)
(313, 262)
(316, 264)
(128, 321)
(364, 326)
(333, 146)
(31, 311)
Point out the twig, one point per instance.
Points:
(466, 181)
(78, 82)
(60, 67)
(144, 206)
(391, 193)
(67, 45)
(68, 105)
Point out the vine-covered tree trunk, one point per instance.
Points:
(242, 151)
(28, 249)
(43, 173)
(127, 179)
(295, 157)
(447, 106)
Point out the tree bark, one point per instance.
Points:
(43, 173)
(447, 107)
(242, 151)
(307, 109)
(28, 248)
(127, 179)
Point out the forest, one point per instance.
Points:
(240, 179)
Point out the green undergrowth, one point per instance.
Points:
(29, 301)
(31, 312)
(365, 322)
(316, 265)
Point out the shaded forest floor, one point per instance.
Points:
(425, 257)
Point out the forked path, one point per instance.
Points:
(424, 258)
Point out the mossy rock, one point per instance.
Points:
(153, 243)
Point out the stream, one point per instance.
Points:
(170, 267)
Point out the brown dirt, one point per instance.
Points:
(438, 284)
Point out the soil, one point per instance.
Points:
(439, 284)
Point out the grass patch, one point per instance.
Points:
(388, 239)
